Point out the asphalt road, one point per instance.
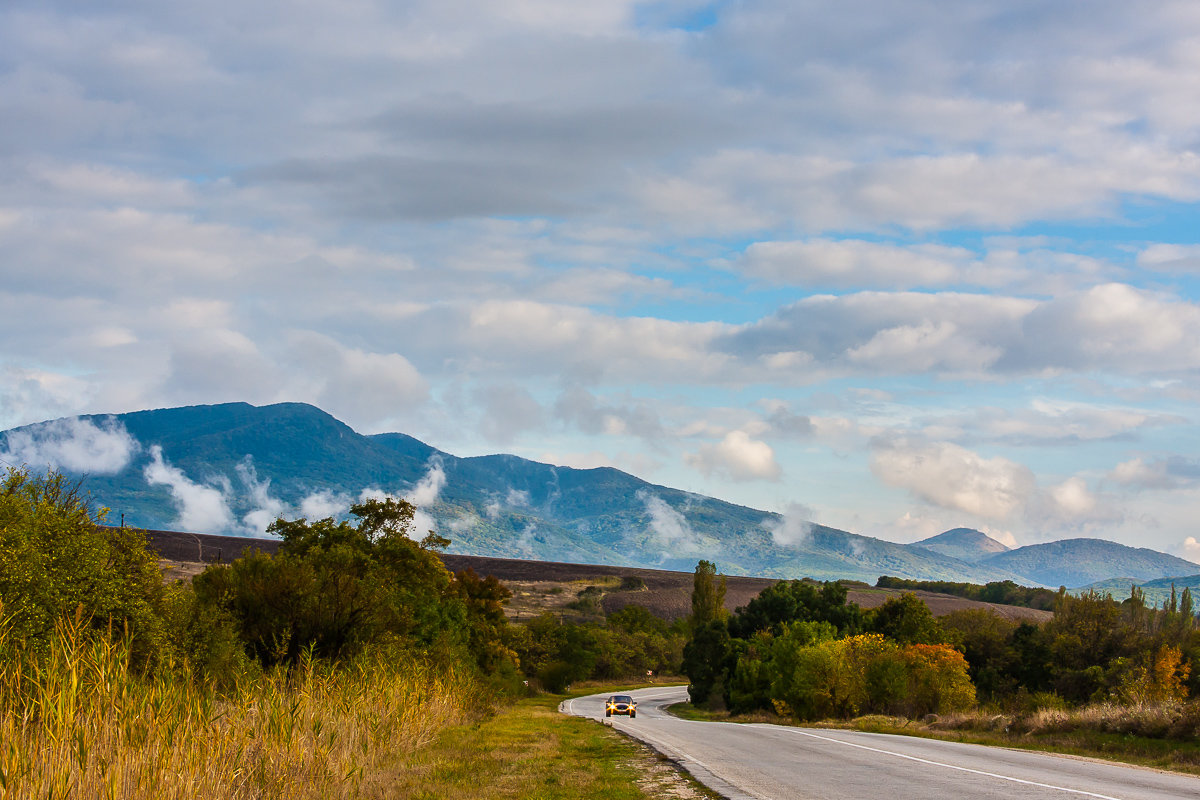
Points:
(772, 762)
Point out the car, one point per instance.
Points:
(620, 704)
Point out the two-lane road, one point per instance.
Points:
(772, 762)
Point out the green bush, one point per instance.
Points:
(57, 561)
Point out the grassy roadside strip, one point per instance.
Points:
(529, 750)
(1173, 755)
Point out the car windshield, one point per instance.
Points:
(622, 698)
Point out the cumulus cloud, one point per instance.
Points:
(1111, 327)
(73, 444)
(1190, 549)
(1171, 472)
(738, 457)
(793, 527)
(1114, 327)
(202, 509)
(951, 476)
(994, 489)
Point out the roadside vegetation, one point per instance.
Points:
(337, 668)
(1099, 677)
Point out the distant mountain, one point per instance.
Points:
(965, 544)
(1157, 591)
(1079, 562)
(231, 468)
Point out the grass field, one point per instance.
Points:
(530, 751)
(79, 723)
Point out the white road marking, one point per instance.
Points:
(960, 769)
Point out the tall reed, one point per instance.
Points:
(77, 722)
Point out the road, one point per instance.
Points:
(774, 762)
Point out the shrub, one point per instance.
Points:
(56, 561)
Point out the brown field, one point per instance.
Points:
(539, 586)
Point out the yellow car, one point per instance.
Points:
(620, 704)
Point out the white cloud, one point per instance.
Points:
(202, 509)
(669, 529)
(1170, 472)
(1170, 258)
(1111, 327)
(850, 263)
(995, 490)
(353, 383)
(956, 478)
(266, 509)
(425, 492)
(738, 457)
(1073, 498)
(72, 444)
(793, 527)
(1190, 549)
(323, 504)
(439, 216)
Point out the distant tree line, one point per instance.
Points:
(1003, 592)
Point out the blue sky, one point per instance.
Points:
(894, 267)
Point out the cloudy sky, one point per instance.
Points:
(905, 266)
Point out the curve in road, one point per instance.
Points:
(775, 762)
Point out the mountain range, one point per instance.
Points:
(232, 468)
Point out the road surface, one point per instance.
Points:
(774, 762)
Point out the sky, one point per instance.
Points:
(893, 267)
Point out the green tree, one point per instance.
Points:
(907, 619)
(706, 662)
(708, 596)
(796, 601)
(333, 588)
(57, 560)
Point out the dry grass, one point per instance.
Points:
(1151, 720)
(78, 723)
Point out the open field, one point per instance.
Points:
(539, 586)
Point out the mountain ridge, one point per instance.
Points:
(252, 463)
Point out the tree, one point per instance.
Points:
(705, 661)
(796, 601)
(907, 620)
(334, 588)
(57, 560)
(708, 596)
